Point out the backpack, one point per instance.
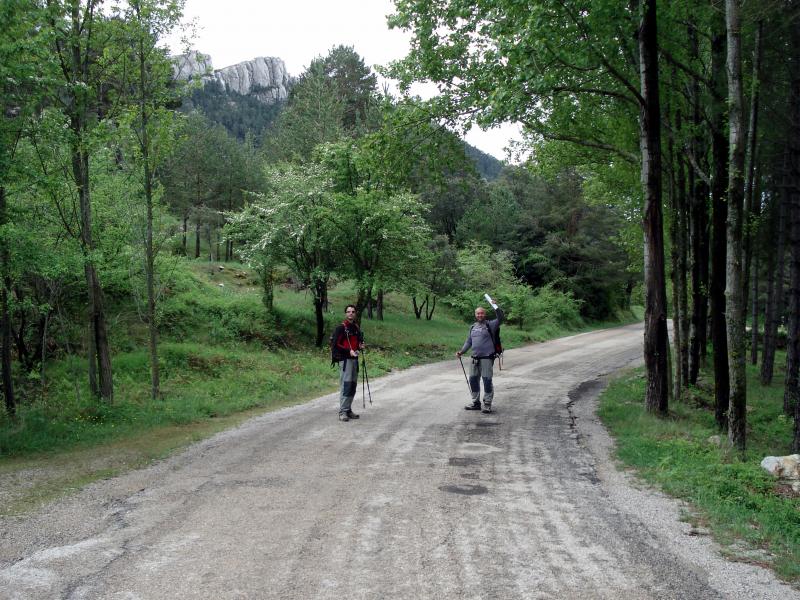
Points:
(498, 347)
(337, 354)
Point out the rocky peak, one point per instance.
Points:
(264, 77)
(192, 64)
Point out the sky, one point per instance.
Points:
(297, 31)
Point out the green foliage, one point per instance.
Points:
(558, 237)
(354, 83)
(313, 115)
(553, 306)
(219, 317)
(484, 271)
(239, 115)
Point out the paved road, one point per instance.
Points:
(418, 499)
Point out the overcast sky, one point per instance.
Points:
(297, 31)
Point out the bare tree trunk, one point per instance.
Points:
(655, 335)
(683, 267)
(320, 289)
(183, 238)
(80, 163)
(100, 335)
(150, 261)
(75, 60)
(719, 149)
(751, 208)
(418, 309)
(197, 239)
(379, 305)
(94, 387)
(432, 307)
(735, 307)
(791, 392)
(775, 288)
(698, 232)
(769, 308)
(361, 303)
(8, 381)
(754, 308)
(370, 302)
(267, 287)
(674, 236)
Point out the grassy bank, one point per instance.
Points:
(223, 359)
(754, 517)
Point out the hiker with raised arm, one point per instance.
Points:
(483, 338)
(346, 342)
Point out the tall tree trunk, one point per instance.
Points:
(791, 393)
(80, 165)
(370, 302)
(674, 224)
(775, 295)
(8, 382)
(751, 208)
(267, 287)
(655, 335)
(769, 307)
(183, 237)
(754, 307)
(150, 259)
(735, 307)
(75, 60)
(361, 303)
(680, 266)
(320, 290)
(430, 309)
(699, 192)
(418, 309)
(683, 268)
(94, 387)
(379, 305)
(197, 239)
(719, 150)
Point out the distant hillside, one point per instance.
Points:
(250, 95)
(487, 165)
(236, 112)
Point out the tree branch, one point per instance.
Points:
(597, 145)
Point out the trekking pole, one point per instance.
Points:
(469, 387)
(363, 400)
(366, 378)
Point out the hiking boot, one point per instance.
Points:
(343, 417)
(353, 415)
(473, 406)
(487, 408)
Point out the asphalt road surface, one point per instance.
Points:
(417, 499)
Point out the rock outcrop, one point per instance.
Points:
(193, 64)
(264, 77)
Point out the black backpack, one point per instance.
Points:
(498, 347)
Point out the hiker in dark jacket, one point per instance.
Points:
(481, 338)
(346, 341)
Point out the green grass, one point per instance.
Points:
(745, 508)
(222, 358)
